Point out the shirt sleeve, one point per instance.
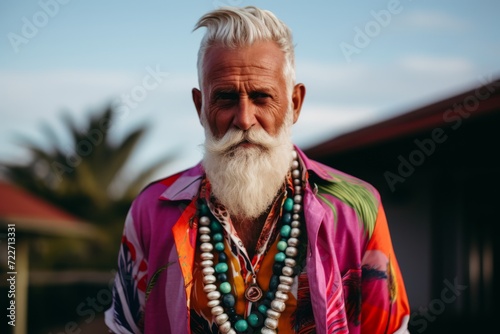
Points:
(126, 312)
(385, 307)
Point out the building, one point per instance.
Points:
(437, 171)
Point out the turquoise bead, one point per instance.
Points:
(262, 309)
(288, 205)
(285, 231)
(215, 226)
(241, 325)
(217, 237)
(282, 245)
(228, 300)
(203, 209)
(255, 319)
(274, 282)
(219, 246)
(280, 257)
(221, 267)
(225, 287)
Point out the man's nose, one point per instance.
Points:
(244, 118)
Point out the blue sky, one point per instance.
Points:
(360, 61)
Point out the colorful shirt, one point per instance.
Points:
(355, 284)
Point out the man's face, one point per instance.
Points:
(245, 88)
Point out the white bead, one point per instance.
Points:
(295, 174)
(206, 247)
(280, 295)
(294, 232)
(231, 331)
(221, 318)
(204, 230)
(290, 262)
(205, 238)
(295, 223)
(298, 190)
(209, 270)
(293, 242)
(225, 328)
(297, 208)
(215, 302)
(297, 182)
(209, 279)
(207, 256)
(213, 295)
(284, 288)
(271, 323)
(209, 288)
(266, 330)
(272, 313)
(286, 280)
(294, 155)
(217, 310)
(295, 216)
(297, 199)
(295, 164)
(209, 263)
(291, 251)
(278, 305)
(204, 220)
(287, 271)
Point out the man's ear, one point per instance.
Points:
(196, 93)
(298, 95)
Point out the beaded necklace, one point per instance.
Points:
(220, 300)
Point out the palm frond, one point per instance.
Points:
(141, 180)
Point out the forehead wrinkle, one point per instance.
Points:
(240, 71)
(236, 75)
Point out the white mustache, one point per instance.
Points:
(235, 137)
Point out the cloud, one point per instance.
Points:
(433, 20)
(33, 98)
(435, 65)
(43, 93)
(388, 85)
(319, 122)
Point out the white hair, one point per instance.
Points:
(234, 27)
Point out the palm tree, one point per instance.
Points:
(81, 180)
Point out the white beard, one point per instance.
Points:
(246, 180)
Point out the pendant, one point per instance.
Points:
(253, 293)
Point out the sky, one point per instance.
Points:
(361, 62)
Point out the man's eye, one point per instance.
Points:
(226, 96)
(259, 96)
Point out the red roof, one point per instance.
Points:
(34, 215)
(419, 120)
